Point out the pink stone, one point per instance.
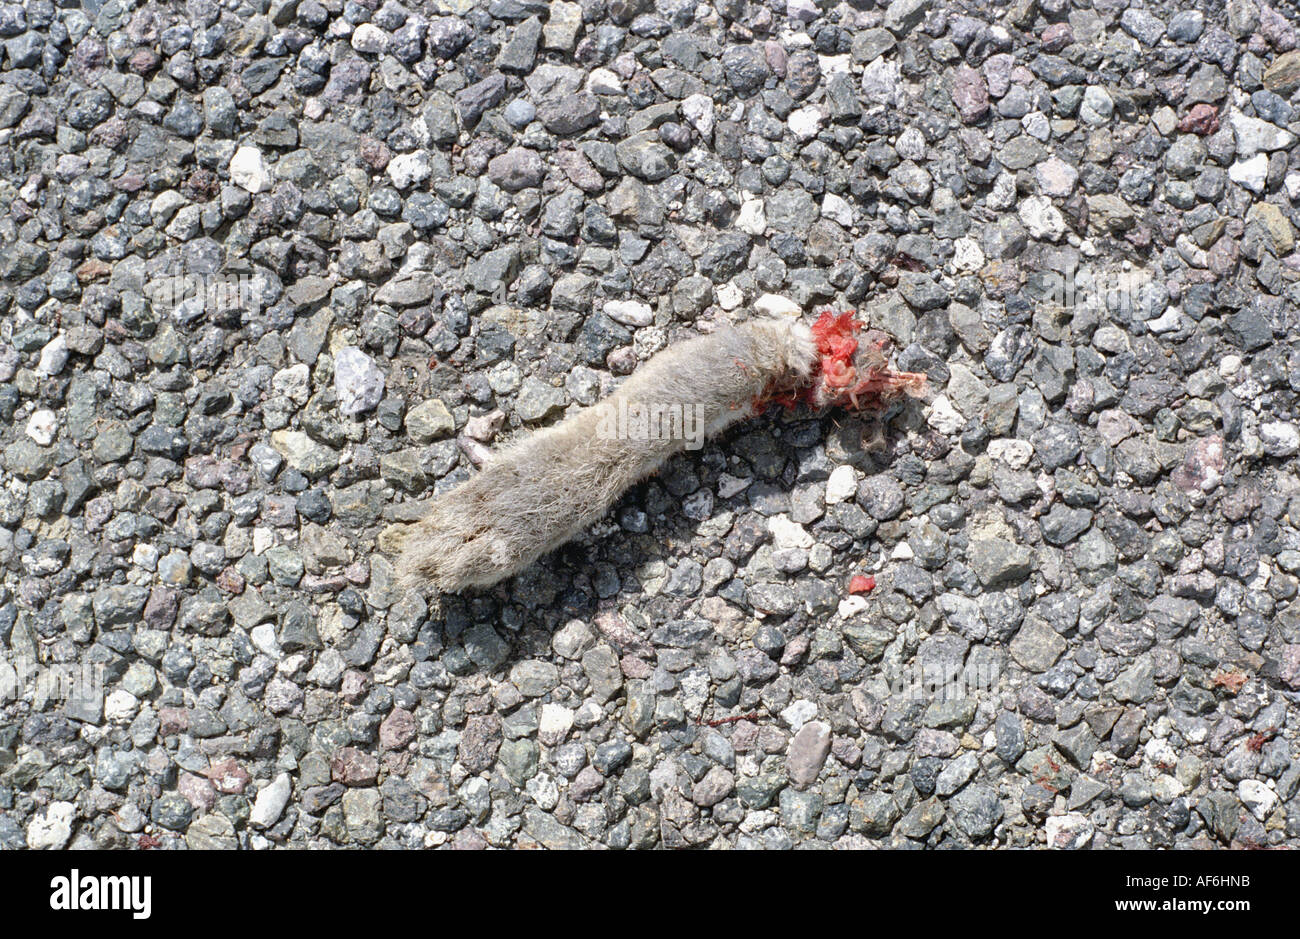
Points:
(355, 686)
(173, 721)
(1289, 670)
(970, 94)
(469, 839)
(228, 776)
(198, 791)
(846, 751)
(997, 72)
(795, 650)
(622, 361)
(807, 753)
(744, 736)
(397, 730)
(1056, 37)
(354, 767)
(1202, 468)
(634, 667)
(614, 628)
(1056, 177)
(1275, 27)
(776, 58)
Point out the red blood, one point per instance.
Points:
(858, 381)
(836, 335)
(861, 584)
(847, 374)
(837, 372)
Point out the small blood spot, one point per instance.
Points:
(861, 584)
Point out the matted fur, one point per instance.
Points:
(539, 492)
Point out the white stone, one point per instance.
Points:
(54, 356)
(911, 144)
(1257, 797)
(1037, 125)
(629, 312)
(729, 296)
(754, 822)
(145, 556)
(42, 425)
(805, 11)
(120, 706)
(602, 81)
(805, 122)
(329, 668)
(420, 131)
(698, 111)
(370, 39)
(1279, 438)
(944, 417)
(752, 218)
(1097, 106)
(573, 639)
(187, 224)
(270, 802)
(1292, 183)
(851, 606)
(543, 790)
(164, 206)
(1159, 753)
(358, 382)
(553, 724)
(841, 485)
(588, 715)
(1003, 193)
(1255, 135)
(409, 169)
(831, 64)
(772, 304)
(1056, 177)
(728, 485)
(1166, 322)
(799, 713)
(788, 534)
(248, 170)
(1250, 173)
(1165, 120)
(51, 828)
(263, 637)
(837, 210)
(1166, 788)
(293, 382)
(129, 818)
(1042, 219)
(1069, 832)
(1014, 453)
(881, 80)
(968, 394)
(1191, 252)
(967, 256)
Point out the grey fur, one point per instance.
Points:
(541, 491)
